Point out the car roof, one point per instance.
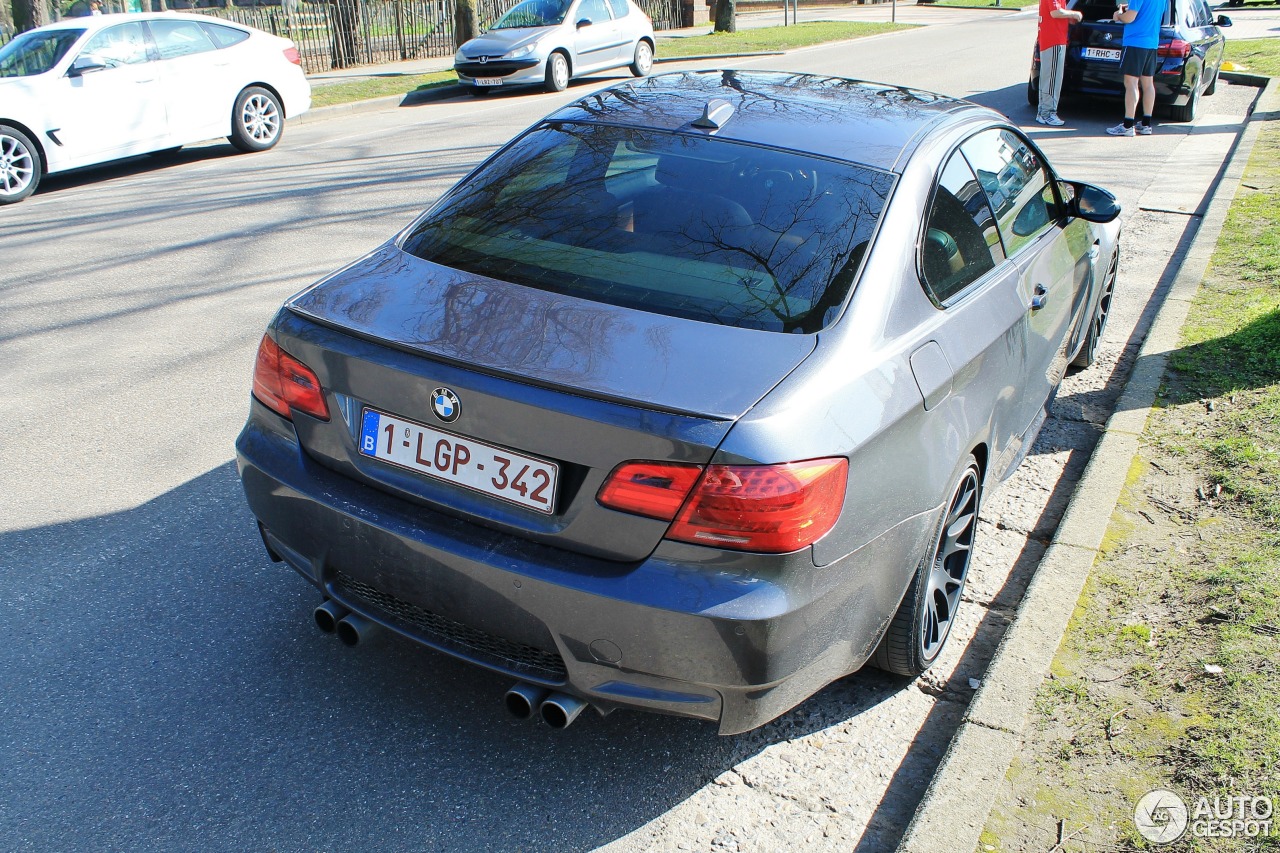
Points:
(93, 23)
(873, 124)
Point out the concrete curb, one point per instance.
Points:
(955, 808)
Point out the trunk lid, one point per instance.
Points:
(563, 385)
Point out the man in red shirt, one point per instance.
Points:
(1055, 17)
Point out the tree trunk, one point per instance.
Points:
(344, 23)
(726, 16)
(29, 14)
(466, 24)
(6, 17)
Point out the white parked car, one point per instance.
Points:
(92, 89)
(550, 41)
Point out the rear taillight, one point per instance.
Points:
(1177, 47)
(765, 508)
(769, 508)
(652, 489)
(285, 385)
(291, 54)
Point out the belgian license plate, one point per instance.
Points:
(488, 81)
(1107, 53)
(473, 464)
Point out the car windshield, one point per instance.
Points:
(682, 225)
(35, 53)
(534, 13)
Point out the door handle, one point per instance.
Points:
(1041, 298)
(1094, 251)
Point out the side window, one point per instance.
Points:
(124, 44)
(595, 11)
(619, 8)
(225, 36)
(1204, 15)
(960, 241)
(180, 38)
(1019, 186)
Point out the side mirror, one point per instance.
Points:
(1093, 204)
(585, 22)
(85, 65)
(1224, 21)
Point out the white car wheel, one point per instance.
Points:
(20, 167)
(256, 121)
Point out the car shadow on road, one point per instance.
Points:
(163, 681)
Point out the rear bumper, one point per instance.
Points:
(683, 632)
(1104, 80)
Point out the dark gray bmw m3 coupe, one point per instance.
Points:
(685, 400)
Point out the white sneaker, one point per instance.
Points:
(1050, 119)
(1120, 130)
(1143, 129)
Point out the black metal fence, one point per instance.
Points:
(343, 33)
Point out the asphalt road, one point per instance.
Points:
(163, 686)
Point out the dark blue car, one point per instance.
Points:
(1191, 50)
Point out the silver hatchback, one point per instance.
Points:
(550, 42)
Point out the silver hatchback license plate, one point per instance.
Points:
(1107, 53)
(488, 81)
(466, 462)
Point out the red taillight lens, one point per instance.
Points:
(1177, 47)
(768, 508)
(652, 489)
(284, 384)
(291, 54)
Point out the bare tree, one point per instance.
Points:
(466, 23)
(29, 14)
(726, 16)
(6, 16)
(344, 21)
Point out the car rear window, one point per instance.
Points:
(225, 36)
(682, 225)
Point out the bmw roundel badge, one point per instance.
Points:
(446, 405)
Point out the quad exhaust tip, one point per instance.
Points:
(354, 629)
(328, 615)
(557, 710)
(523, 699)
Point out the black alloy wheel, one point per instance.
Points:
(920, 628)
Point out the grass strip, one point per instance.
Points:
(1257, 56)
(986, 4)
(773, 38)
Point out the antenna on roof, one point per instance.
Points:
(717, 112)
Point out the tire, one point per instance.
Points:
(1188, 111)
(557, 72)
(1098, 323)
(256, 121)
(920, 628)
(643, 62)
(1033, 92)
(20, 166)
